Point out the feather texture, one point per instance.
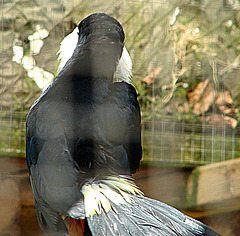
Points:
(145, 216)
(99, 194)
(116, 206)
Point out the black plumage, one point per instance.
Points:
(83, 140)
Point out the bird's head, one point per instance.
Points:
(101, 37)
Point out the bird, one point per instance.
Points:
(83, 142)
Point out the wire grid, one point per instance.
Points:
(181, 143)
(165, 138)
(20, 19)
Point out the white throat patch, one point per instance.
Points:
(124, 68)
(68, 45)
(98, 195)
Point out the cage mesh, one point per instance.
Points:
(186, 71)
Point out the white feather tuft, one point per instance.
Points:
(68, 45)
(99, 194)
(124, 68)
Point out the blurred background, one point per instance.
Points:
(186, 69)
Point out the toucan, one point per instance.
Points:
(83, 142)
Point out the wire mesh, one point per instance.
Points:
(181, 143)
(186, 71)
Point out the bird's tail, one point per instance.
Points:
(116, 207)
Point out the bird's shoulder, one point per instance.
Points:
(125, 95)
(124, 88)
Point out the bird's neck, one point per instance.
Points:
(95, 63)
(79, 83)
(88, 73)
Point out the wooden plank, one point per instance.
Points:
(215, 186)
(203, 191)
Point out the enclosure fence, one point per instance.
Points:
(185, 69)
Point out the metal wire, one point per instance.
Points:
(167, 137)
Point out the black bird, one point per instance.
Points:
(83, 142)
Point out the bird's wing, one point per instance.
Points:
(119, 120)
(50, 221)
(52, 172)
(132, 140)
